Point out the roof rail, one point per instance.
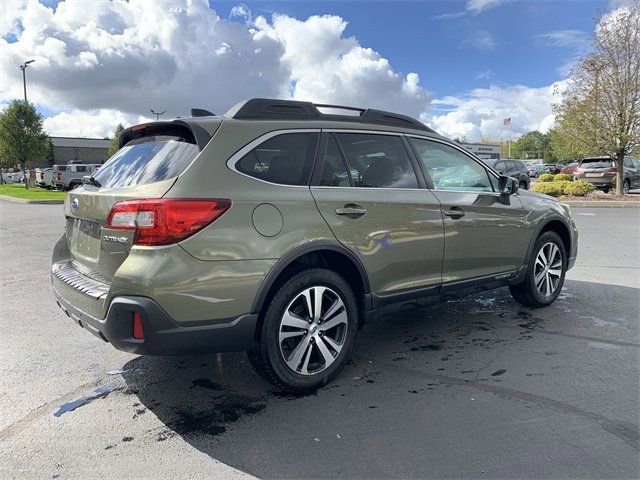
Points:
(272, 109)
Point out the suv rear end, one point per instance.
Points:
(599, 171)
(121, 249)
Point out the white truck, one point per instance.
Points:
(68, 177)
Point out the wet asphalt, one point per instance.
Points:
(473, 388)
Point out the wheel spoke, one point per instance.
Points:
(548, 284)
(307, 301)
(555, 272)
(305, 365)
(324, 351)
(538, 278)
(285, 335)
(543, 257)
(332, 343)
(332, 310)
(296, 356)
(292, 320)
(334, 322)
(318, 293)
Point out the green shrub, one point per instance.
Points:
(555, 189)
(563, 177)
(545, 177)
(579, 188)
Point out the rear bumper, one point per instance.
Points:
(162, 336)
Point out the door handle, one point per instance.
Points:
(351, 210)
(454, 212)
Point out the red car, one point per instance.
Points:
(570, 168)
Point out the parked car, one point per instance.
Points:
(535, 170)
(601, 172)
(7, 177)
(570, 168)
(280, 230)
(551, 168)
(44, 177)
(512, 168)
(69, 176)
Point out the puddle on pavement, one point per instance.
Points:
(100, 392)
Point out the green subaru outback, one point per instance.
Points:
(280, 227)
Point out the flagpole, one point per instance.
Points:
(509, 137)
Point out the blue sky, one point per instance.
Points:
(460, 66)
(498, 45)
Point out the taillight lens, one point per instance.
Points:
(163, 221)
(613, 170)
(58, 175)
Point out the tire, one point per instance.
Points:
(526, 292)
(299, 361)
(524, 185)
(626, 186)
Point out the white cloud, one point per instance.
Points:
(103, 59)
(479, 113)
(481, 40)
(563, 38)
(472, 7)
(485, 75)
(90, 123)
(329, 68)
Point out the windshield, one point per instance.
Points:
(146, 160)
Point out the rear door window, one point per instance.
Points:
(377, 161)
(147, 160)
(285, 159)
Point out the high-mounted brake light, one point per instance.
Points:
(163, 221)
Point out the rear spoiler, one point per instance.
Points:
(179, 128)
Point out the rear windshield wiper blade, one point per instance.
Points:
(94, 182)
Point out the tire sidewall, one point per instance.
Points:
(543, 240)
(273, 316)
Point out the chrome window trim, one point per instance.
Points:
(236, 157)
(360, 189)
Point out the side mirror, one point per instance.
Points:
(507, 185)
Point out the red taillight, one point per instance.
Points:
(613, 170)
(58, 175)
(138, 333)
(163, 221)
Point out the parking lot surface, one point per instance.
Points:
(473, 388)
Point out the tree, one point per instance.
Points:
(21, 136)
(600, 108)
(533, 144)
(115, 145)
(564, 148)
(48, 154)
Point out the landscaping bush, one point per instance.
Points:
(555, 189)
(545, 177)
(579, 188)
(563, 177)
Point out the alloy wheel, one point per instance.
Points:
(548, 269)
(313, 330)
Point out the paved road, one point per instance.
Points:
(475, 388)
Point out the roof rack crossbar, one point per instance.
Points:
(271, 109)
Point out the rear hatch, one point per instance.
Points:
(146, 167)
(597, 169)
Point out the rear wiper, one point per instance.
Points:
(91, 180)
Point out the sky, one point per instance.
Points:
(459, 66)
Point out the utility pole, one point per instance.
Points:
(158, 114)
(23, 67)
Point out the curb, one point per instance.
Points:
(602, 204)
(30, 201)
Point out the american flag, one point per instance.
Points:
(506, 121)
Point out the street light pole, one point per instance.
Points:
(23, 67)
(157, 114)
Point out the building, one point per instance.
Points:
(485, 151)
(82, 150)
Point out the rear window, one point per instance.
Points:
(147, 160)
(596, 163)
